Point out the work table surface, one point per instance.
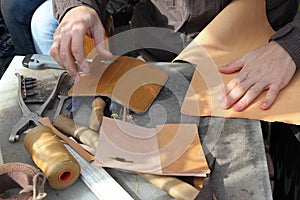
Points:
(237, 144)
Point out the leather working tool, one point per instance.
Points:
(77, 130)
(96, 116)
(38, 61)
(28, 115)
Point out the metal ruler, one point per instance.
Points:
(1, 158)
(98, 180)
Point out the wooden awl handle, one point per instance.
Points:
(77, 130)
(95, 120)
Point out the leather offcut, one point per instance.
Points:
(17, 175)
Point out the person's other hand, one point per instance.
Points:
(68, 39)
(267, 68)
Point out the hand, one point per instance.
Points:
(67, 48)
(267, 68)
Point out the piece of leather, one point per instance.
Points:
(169, 149)
(81, 151)
(16, 175)
(240, 27)
(129, 81)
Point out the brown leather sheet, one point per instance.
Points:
(169, 149)
(240, 27)
(129, 81)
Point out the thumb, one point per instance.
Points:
(232, 67)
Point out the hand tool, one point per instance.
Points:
(118, 111)
(28, 115)
(63, 96)
(96, 116)
(39, 100)
(38, 61)
(173, 186)
(77, 130)
(29, 94)
(1, 158)
(99, 181)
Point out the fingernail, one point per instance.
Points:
(238, 107)
(264, 105)
(220, 96)
(223, 105)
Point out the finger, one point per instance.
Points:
(270, 97)
(234, 83)
(77, 50)
(67, 57)
(249, 97)
(100, 43)
(232, 67)
(54, 52)
(236, 92)
(55, 48)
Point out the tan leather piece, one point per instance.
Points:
(129, 81)
(170, 138)
(169, 149)
(240, 27)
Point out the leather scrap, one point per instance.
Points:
(18, 175)
(128, 81)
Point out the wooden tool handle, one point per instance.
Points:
(78, 131)
(83, 153)
(173, 186)
(95, 120)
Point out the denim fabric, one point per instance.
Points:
(42, 37)
(17, 16)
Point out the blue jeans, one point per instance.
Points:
(43, 26)
(17, 16)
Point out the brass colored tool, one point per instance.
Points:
(95, 120)
(173, 186)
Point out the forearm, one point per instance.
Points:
(289, 38)
(61, 7)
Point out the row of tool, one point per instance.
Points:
(28, 93)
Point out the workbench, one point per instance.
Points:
(237, 145)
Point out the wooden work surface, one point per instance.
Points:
(240, 171)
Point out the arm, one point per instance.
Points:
(77, 19)
(289, 38)
(61, 7)
(270, 68)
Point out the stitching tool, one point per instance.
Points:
(28, 115)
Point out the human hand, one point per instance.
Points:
(267, 68)
(67, 48)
